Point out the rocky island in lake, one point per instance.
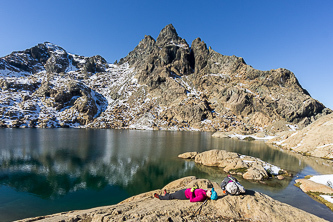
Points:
(250, 168)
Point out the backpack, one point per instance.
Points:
(234, 187)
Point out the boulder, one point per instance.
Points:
(220, 135)
(237, 163)
(218, 158)
(255, 173)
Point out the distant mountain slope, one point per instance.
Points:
(161, 84)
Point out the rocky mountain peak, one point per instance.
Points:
(48, 57)
(53, 48)
(168, 35)
(140, 52)
(43, 51)
(169, 50)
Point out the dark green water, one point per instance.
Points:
(45, 171)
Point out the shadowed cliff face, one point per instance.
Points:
(161, 84)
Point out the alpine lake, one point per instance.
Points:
(46, 171)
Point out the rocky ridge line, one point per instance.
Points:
(162, 84)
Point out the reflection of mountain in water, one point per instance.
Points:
(55, 162)
(49, 177)
(61, 162)
(57, 175)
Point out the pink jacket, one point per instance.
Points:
(197, 196)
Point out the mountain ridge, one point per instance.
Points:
(161, 84)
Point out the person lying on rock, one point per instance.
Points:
(193, 194)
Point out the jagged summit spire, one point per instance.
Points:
(167, 35)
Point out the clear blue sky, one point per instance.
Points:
(268, 34)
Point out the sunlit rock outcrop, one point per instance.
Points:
(314, 140)
(250, 168)
(253, 206)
